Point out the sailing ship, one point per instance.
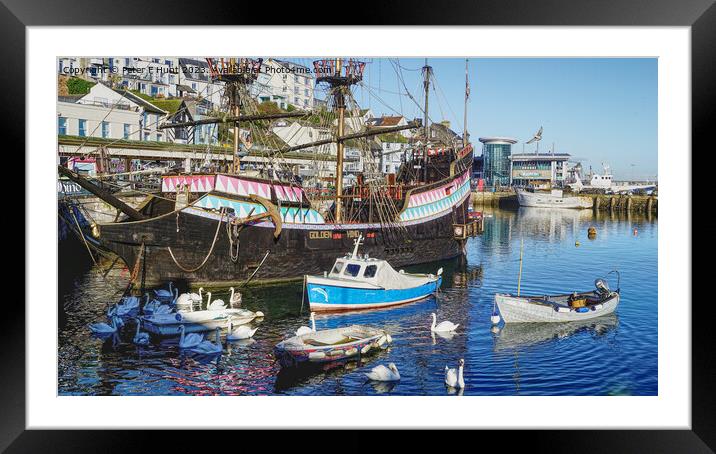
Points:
(236, 226)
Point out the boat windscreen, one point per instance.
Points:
(337, 267)
(352, 269)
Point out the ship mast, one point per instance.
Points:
(340, 75)
(465, 135)
(237, 74)
(427, 70)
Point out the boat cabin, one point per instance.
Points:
(357, 268)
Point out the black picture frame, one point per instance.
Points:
(700, 15)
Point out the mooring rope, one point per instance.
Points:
(213, 243)
(256, 270)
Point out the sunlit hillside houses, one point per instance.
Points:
(109, 113)
(285, 83)
(387, 121)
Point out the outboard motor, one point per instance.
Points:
(602, 287)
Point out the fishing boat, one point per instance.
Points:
(362, 282)
(197, 321)
(330, 345)
(553, 199)
(234, 226)
(559, 308)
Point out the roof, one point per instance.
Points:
(498, 139)
(386, 121)
(185, 88)
(543, 156)
(148, 106)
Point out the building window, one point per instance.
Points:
(146, 136)
(82, 127)
(62, 126)
(126, 132)
(105, 129)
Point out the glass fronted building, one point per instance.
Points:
(496, 152)
(541, 171)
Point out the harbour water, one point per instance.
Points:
(610, 355)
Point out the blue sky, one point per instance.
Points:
(599, 110)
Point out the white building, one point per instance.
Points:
(294, 133)
(285, 83)
(110, 114)
(392, 156)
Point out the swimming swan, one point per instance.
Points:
(162, 293)
(382, 373)
(242, 332)
(104, 328)
(305, 329)
(208, 347)
(189, 340)
(453, 377)
(216, 305)
(443, 326)
(140, 338)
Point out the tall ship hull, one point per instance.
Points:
(208, 243)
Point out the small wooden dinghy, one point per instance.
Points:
(360, 282)
(196, 321)
(330, 345)
(558, 308)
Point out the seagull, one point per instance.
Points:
(537, 137)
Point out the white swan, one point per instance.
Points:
(242, 332)
(382, 373)
(185, 303)
(453, 377)
(305, 329)
(140, 338)
(104, 328)
(216, 305)
(208, 347)
(189, 340)
(127, 304)
(235, 297)
(162, 293)
(443, 326)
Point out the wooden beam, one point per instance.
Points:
(234, 119)
(102, 194)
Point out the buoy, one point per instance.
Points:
(365, 349)
(495, 319)
(635, 231)
(577, 243)
(314, 356)
(592, 231)
(259, 314)
(351, 351)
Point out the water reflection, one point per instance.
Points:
(618, 354)
(516, 336)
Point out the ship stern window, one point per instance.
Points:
(352, 270)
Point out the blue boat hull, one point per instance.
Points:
(322, 297)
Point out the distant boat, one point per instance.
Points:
(552, 199)
(604, 183)
(360, 282)
(558, 308)
(330, 345)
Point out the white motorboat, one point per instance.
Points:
(553, 199)
(558, 308)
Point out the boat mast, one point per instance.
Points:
(465, 138)
(340, 75)
(427, 70)
(341, 106)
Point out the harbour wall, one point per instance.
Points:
(600, 202)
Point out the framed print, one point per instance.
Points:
(256, 222)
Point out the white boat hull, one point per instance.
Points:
(544, 200)
(515, 309)
(195, 322)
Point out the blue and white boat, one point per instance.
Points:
(361, 282)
